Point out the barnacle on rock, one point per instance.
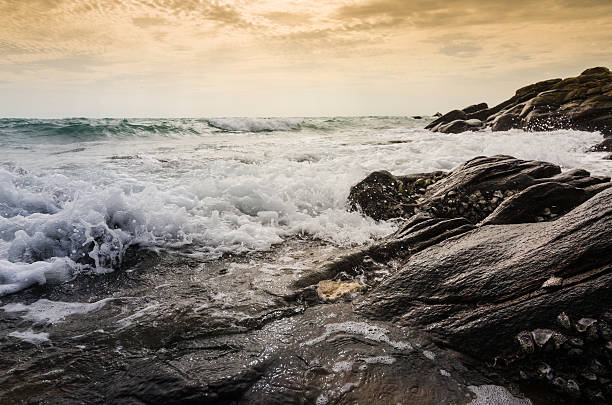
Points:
(541, 336)
(525, 339)
(564, 320)
(584, 323)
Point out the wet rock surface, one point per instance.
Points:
(581, 103)
(517, 190)
(178, 331)
(545, 248)
(382, 195)
(496, 283)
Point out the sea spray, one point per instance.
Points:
(184, 185)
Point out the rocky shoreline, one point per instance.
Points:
(482, 303)
(525, 282)
(582, 103)
(496, 288)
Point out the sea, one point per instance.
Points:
(76, 194)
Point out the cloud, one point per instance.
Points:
(436, 13)
(460, 49)
(277, 43)
(145, 22)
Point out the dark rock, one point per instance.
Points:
(596, 71)
(506, 122)
(477, 291)
(383, 196)
(580, 103)
(534, 201)
(454, 127)
(475, 107)
(419, 232)
(481, 115)
(604, 146)
(476, 188)
(448, 117)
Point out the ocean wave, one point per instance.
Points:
(53, 227)
(62, 215)
(88, 130)
(256, 124)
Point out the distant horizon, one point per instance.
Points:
(223, 117)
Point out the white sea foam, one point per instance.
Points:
(49, 312)
(495, 395)
(30, 336)
(370, 332)
(215, 193)
(379, 360)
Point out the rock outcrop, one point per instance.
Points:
(498, 282)
(501, 247)
(581, 103)
(382, 195)
(496, 292)
(500, 186)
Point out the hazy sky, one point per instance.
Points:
(287, 58)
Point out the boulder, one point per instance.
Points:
(475, 107)
(526, 288)
(382, 195)
(478, 290)
(447, 118)
(537, 203)
(454, 127)
(475, 189)
(580, 103)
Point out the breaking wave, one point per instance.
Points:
(65, 210)
(88, 130)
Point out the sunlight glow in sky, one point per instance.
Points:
(152, 58)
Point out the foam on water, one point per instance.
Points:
(370, 332)
(77, 205)
(45, 311)
(30, 336)
(495, 395)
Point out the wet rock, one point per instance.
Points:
(475, 108)
(533, 203)
(447, 118)
(604, 146)
(583, 103)
(479, 180)
(478, 290)
(506, 122)
(454, 127)
(414, 235)
(513, 190)
(382, 195)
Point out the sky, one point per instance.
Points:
(214, 58)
